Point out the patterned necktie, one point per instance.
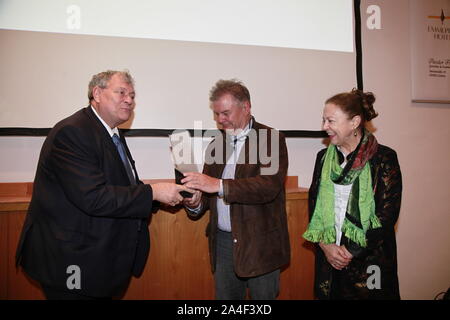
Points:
(123, 156)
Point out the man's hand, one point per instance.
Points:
(202, 182)
(193, 202)
(169, 193)
(337, 256)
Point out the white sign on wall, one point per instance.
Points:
(430, 50)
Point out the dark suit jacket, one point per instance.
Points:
(258, 206)
(84, 212)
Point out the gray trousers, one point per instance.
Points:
(231, 287)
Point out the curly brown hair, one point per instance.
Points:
(356, 103)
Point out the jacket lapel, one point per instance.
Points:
(244, 159)
(108, 142)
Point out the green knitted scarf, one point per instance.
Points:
(360, 215)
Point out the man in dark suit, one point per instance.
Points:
(86, 229)
(243, 187)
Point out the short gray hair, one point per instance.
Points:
(234, 87)
(101, 80)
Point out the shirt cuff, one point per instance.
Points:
(220, 193)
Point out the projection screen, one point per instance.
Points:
(291, 54)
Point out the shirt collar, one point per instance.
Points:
(108, 128)
(343, 158)
(243, 133)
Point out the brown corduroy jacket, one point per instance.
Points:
(257, 202)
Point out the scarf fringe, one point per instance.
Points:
(326, 236)
(354, 233)
(375, 222)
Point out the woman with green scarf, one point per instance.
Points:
(354, 202)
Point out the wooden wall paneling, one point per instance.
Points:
(3, 255)
(178, 266)
(19, 285)
(297, 279)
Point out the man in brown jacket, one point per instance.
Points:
(242, 185)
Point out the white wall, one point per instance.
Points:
(420, 134)
(21, 154)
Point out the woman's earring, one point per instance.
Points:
(355, 133)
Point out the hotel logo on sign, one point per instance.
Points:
(442, 17)
(441, 32)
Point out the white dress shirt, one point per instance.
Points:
(341, 196)
(223, 208)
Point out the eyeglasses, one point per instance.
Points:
(123, 93)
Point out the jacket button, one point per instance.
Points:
(235, 240)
